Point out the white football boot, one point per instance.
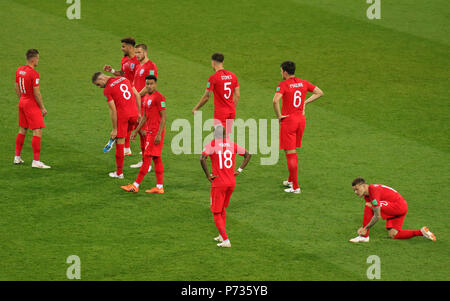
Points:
(18, 160)
(428, 234)
(292, 190)
(225, 244)
(114, 175)
(218, 238)
(39, 164)
(287, 184)
(137, 165)
(360, 238)
(127, 151)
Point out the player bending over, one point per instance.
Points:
(124, 104)
(225, 86)
(386, 203)
(128, 66)
(222, 152)
(154, 121)
(293, 90)
(31, 108)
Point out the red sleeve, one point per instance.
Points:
(107, 94)
(17, 75)
(280, 88)
(239, 150)
(375, 196)
(310, 86)
(35, 79)
(210, 84)
(162, 103)
(237, 82)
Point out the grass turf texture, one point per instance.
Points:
(384, 116)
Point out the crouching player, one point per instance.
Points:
(386, 203)
(154, 120)
(222, 152)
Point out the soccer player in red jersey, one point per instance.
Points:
(31, 108)
(226, 90)
(124, 106)
(154, 119)
(129, 64)
(293, 90)
(386, 203)
(222, 152)
(146, 67)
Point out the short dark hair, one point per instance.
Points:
(143, 46)
(96, 76)
(288, 66)
(150, 77)
(358, 181)
(31, 53)
(218, 57)
(129, 40)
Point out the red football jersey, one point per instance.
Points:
(222, 153)
(223, 83)
(142, 71)
(27, 78)
(120, 90)
(129, 66)
(385, 197)
(153, 104)
(294, 92)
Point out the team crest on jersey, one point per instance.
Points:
(149, 102)
(142, 72)
(132, 66)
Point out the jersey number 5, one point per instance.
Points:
(227, 88)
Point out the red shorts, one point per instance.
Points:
(30, 115)
(395, 216)
(152, 149)
(124, 125)
(220, 198)
(291, 131)
(222, 119)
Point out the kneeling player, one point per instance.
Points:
(154, 120)
(222, 153)
(384, 202)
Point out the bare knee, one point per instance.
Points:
(22, 130)
(37, 132)
(392, 233)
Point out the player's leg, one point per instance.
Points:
(127, 149)
(368, 214)
(142, 172)
(225, 240)
(36, 146)
(142, 139)
(394, 226)
(218, 195)
(20, 139)
(159, 169)
(120, 142)
(292, 163)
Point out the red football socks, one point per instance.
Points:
(19, 143)
(36, 144)
(220, 224)
(224, 216)
(127, 140)
(159, 168)
(119, 158)
(405, 234)
(144, 169)
(292, 163)
(142, 139)
(368, 214)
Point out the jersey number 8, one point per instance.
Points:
(125, 91)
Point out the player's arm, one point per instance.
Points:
(317, 93)
(236, 96)
(16, 86)
(142, 121)
(244, 163)
(138, 100)
(162, 124)
(38, 97)
(276, 106)
(208, 175)
(202, 101)
(110, 69)
(113, 115)
(373, 221)
(143, 91)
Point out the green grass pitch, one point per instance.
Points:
(384, 116)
